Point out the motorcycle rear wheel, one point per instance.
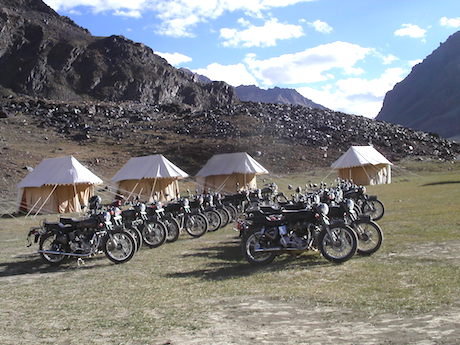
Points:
(340, 248)
(136, 235)
(249, 243)
(48, 242)
(119, 246)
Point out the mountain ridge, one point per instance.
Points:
(428, 98)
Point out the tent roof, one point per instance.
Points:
(359, 156)
(153, 166)
(229, 163)
(60, 171)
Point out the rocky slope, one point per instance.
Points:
(252, 93)
(45, 55)
(428, 98)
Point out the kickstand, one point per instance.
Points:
(80, 262)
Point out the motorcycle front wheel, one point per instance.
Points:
(214, 220)
(224, 216)
(173, 228)
(340, 246)
(133, 231)
(48, 242)
(249, 244)
(196, 225)
(370, 236)
(119, 246)
(374, 209)
(154, 234)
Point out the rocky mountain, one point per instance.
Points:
(428, 98)
(45, 55)
(275, 95)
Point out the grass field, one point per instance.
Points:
(202, 291)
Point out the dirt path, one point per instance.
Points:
(273, 322)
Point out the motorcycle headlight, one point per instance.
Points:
(323, 209)
(106, 216)
(141, 207)
(316, 199)
(186, 203)
(349, 204)
(363, 189)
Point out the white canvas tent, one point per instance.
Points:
(229, 172)
(364, 165)
(56, 185)
(149, 177)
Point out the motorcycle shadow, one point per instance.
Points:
(227, 262)
(32, 264)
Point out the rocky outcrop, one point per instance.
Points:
(45, 55)
(252, 93)
(428, 98)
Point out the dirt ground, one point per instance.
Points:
(265, 321)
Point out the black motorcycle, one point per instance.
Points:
(268, 233)
(194, 223)
(67, 238)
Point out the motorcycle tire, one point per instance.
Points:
(214, 220)
(196, 225)
(133, 231)
(48, 242)
(224, 216)
(173, 228)
(340, 248)
(233, 212)
(119, 246)
(249, 243)
(374, 209)
(154, 234)
(370, 236)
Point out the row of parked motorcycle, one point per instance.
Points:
(338, 221)
(119, 231)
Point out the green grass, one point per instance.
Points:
(177, 286)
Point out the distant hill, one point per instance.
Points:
(43, 54)
(428, 99)
(276, 95)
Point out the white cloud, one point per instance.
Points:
(232, 74)
(308, 66)
(388, 59)
(450, 22)
(260, 36)
(412, 63)
(321, 26)
(178, 17)
(175, 59)
(410, 30)
(130, 13)
(356, 95)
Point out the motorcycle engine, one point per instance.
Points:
(79, 243)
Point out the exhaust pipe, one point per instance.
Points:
(278, 249)
(62, 253)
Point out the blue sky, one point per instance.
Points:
(343, 54)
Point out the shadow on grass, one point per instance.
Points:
(228, 263)
(34, 264)
(439, 183)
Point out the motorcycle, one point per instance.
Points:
(156, 210)
(194, 223)
(269, 233)
(369, 204)
(58, 241)
(370, 235)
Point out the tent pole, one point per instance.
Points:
(36, 202)
(222, 185)
(44, 202)
(76, 198)
(153, 189)
(132, 191)
(177, 189)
